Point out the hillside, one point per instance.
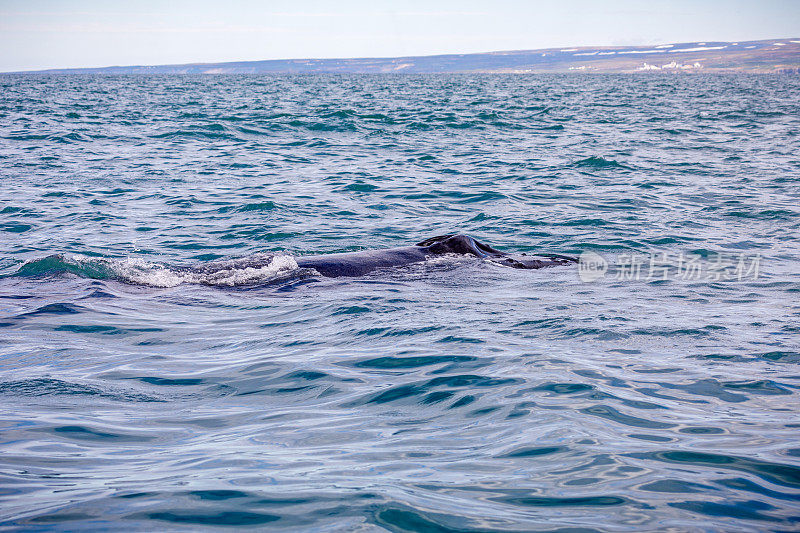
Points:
(766, 56)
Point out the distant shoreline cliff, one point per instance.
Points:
(765, 56)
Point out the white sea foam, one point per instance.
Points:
(278, 266)
(142, 272)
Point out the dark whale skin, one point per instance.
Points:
(355, 264)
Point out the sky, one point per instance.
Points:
(40, 34)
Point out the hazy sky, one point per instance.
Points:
(37, 34)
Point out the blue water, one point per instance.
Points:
(450, 395)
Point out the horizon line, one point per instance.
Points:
(566, 48)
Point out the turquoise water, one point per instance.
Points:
(451, 395)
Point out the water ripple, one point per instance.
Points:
(144, 389)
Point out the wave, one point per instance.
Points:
(599, 162)
(48, 387)
(256, 269)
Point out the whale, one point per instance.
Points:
(355, 264)
(272, 267)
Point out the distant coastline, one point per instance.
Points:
(764, 56)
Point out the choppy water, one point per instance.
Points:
(455, 395)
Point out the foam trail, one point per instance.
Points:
(259, 268)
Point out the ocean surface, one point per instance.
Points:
(450, 395)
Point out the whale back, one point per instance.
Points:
(458, 244)
(466, 245)
(362, 262)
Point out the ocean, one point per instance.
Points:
(653, 387)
